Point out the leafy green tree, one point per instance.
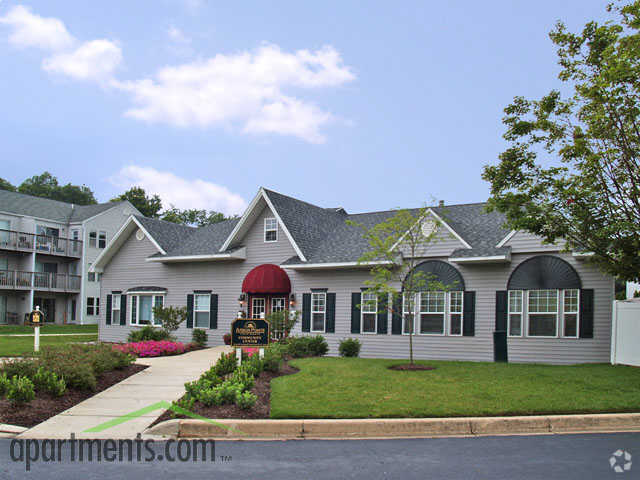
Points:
(393, 255)
(193, 217)
(572, 169)
(148, 205)
(47, 186)
(6, 185)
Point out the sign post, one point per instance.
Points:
(249, 332)
(36, 318)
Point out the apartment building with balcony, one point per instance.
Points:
(46, 250)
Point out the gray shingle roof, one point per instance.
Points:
(323, 235)
(21, 204)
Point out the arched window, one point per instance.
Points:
(446, 311)
(543, 299)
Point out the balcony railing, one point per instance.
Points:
(28, 242)
(55, 282)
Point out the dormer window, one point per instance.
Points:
(270, 229)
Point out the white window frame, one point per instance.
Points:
(102, 235)
(429, 312)
(450, 312)
(576, 312)
(137, 296)
(405, 312)
(115, 296)
(278, 308)
(91, 300)
(510, 312)
(557, 313)
(323, 311)
(270, 228)
(93, 240)
(253, 307)
(371, 303)
(196, 310)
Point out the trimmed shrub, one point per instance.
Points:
(199, 337)
(147, 333)
(242, 377)
(4, 384)
(350, 347)
(20, 390)
(228, 391)
(47, 381)
(210, 396)
(226, 364)
(246, 400)
(77, 376)
(306, 346)
(185, 402)
(318, 346)
(23, 367)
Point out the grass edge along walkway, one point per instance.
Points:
(14, 346)
(365, 388)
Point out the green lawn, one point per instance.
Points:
(19, 346)
(14, 329)
(357, 388)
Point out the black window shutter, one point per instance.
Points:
(190, 310)
(123, 310)
(586, 313)
(501, 311)
(306, 312)
(469, 317)
(396, 316)
(108, 313)
(356, 298)
(213, 311)
(330, 326)
(383, 313)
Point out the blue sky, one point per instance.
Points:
(365, 105)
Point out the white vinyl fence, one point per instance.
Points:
(625, 332)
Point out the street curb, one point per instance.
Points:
(395, 427)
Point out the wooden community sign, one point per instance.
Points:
(249, 332)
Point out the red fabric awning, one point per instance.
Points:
(267, 278)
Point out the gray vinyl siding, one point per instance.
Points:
(525, 242)
(442, 245)
(129, 269)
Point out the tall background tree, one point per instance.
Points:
(572, 168)
(193, 216)
(147, 205)
(47, 186)
(6, 185)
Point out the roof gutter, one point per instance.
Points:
(335, 265)
(491, 259)
(240, 254)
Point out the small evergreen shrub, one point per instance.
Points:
(273, 360)
(306, 346)
(318, 346)
(210, 397)
(23, 367)
(349, 347)
(199, 337)
(20, 390)
(246, 400)
(47, 381)
(242, 377)
(4, 384)
(185, 402)
(226, 364)
(228, 391)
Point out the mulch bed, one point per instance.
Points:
(409, 367)
(45, 406)
(261, 409)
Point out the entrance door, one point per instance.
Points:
(258, 307)
(48, 307)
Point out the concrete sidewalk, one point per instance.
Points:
(163, 380)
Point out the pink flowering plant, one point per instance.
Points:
(152, 348)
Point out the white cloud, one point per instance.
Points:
(176, 35)
(93, 60)
(180, 192)
(245, 88)
(30, 30)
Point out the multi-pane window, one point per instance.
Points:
(456, 300)
(318, 311)
(543, 313)
(278, 304)
(90, 306)
(270, 229)
(102, 240)
(257, 307)
(201, 308)
(515, 313)
(142, 309)
(115, 309)
(93, 239)
(408, 306)
(432, 308)
(571, 299)
(369, 312)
